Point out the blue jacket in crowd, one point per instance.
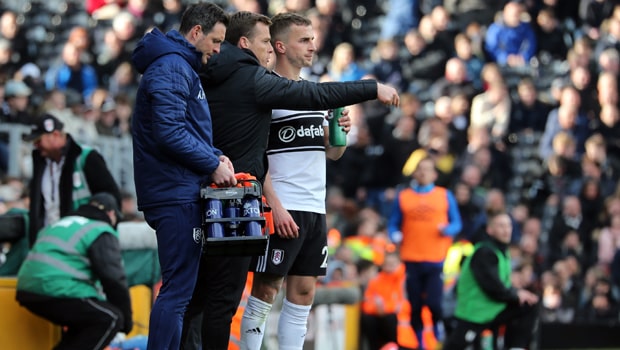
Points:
(502, 41)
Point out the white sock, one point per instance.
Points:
(292, 325)
(253, 323)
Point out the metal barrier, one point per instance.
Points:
(117, 152)
(17, 147)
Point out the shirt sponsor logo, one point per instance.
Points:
(277, 256)
(289, 133)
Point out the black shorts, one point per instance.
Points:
(305, 255)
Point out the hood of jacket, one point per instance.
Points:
(225, 63)
(156, 44)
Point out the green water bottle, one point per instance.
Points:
(337, 136)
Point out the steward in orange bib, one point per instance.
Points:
(384, 299)
(424, 219)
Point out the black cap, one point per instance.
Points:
(45, 125)
(106, 202)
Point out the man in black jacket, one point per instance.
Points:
(241, 94)
(485, 297)
(70, 268)
(65, 174)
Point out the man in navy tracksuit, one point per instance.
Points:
(174, 155)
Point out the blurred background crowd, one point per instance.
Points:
(517, 103)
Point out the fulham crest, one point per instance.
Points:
(277, 256)
(197, 234)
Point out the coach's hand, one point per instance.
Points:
(223, 175)
(387, 95)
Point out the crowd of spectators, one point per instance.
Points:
(520, 113)
(516, 101)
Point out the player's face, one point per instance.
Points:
(300, 46)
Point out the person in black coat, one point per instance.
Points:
(528, 112)
(65, 174)
(486, 297)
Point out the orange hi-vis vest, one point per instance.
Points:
(385, 294)
(235, 326)
(423, 214)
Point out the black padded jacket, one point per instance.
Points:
(241, 94)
